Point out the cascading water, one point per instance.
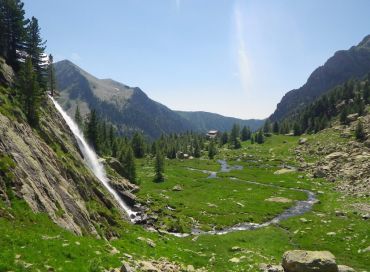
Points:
(92, 160)
(98, 169)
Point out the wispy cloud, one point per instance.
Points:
(178, 4)
(244, 63)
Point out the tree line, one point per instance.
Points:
(349, 98)
(23, 48)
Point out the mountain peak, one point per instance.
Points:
(343, 65)
(365, 43)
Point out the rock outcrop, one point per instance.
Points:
(50, 174)
(307, 261)
(348, 165)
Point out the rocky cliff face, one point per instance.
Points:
(49, 172)
(344, 65)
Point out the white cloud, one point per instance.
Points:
(244, 63)
(75, 57)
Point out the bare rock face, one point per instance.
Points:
(50, 174)
(309, 261)
(6, 73)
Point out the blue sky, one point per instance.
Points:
(233, 57)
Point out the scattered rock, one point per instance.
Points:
(309, 261)
(344, 268)
(279, 199)
(236, 248)
(352, 117)
(302, 141)
(336, 155)
(234, 260)
(177, 188)
(126, 268)
(148, 267)
(284, 171)
(271, 268)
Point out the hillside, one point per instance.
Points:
(127, 108)
(204, 121)
(48, 172)
(345, 64)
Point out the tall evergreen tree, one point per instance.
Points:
(212, 151)
(366, 93)
(12, 34)
(224, 138)
(234, 137)
(35, 48)
(30, 93)
(138, 146)
(245, 134)
(128, 162)
(51, 75)
(297, 129)
(359, 132)
(259, 137)
(78, 118)
(92, 132)
(159, 165)
(196, 152)
(276, 128)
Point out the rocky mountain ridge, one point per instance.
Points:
(342, 66)
(130, 108)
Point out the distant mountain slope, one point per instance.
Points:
(128, 108)
(345, 64)
(204, 121)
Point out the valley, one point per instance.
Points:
(96, 176)
(334, 221)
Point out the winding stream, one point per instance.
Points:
(97, 168)
(299, 208)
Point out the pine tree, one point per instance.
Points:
(297, 129)
(259, 137)
(224, 138)
(30, 94)
(366, 93)
(51, 75)
(92, 133)
(159, 166)
(234, 137)
(12, 32)
(196, 152)
(78, 118)
(275, 128)
(212, 151)
(343, 116)
(360, 132)
(245, 134)
(35, 48)
(128, 164)
(138, 146)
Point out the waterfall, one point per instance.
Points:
(92, 160)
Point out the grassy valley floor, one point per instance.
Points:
(188, 199)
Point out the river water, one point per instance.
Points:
(97, 168)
